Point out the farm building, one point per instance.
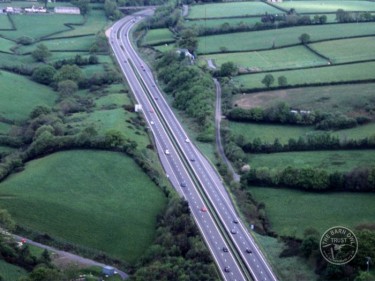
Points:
(34, 9)
(67, 10)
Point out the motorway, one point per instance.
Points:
(180, 158)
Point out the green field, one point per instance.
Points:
(247, 41)
(18, 102)
(4, 22)
(292, 211)
(327, 6)
(293, 57)
(230, 10)
(341, 73)
(65, 44)
(46, 25)
(338, 98)
(95, 22)
(158, 36)
(27, 4)
(338, 160)
(98, 199)
(210, 23)
(5, 45)
(11, 272)
(340, 51)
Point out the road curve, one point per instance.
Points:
(166, 128)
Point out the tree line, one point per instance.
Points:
(191, 88)
(284, 114)
(312, 179)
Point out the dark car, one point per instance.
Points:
(235, 221)
(183, 184)
(248, 251)
(227, 269)
(225, 249)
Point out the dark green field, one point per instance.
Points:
(98, 199)
(292, 211)
(11, 272)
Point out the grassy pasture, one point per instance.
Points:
(218, 22)
(95, 22)
(338, 160)
(74, 193)
(340, 73)
(18, 102)
(5, 45)
(27, 4)
(44, 25)
(90, 70)
(340, 51)
(293, 57)
(4, 22)
(230, 10)
(352, 99)
(68, 44)
(292, 211)
(11, 272)
(12, 59)
(157, 36)
(164, 48)
(327, 6)
(247, 41)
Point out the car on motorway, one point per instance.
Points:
(225, 249)
(248, 251)
(235, 221)
(187, 140)
(152, 122)
(233, 231)
(156, 98)
(167, 152)
(151, 111)
(183, 184)
(192, 159)
(227, 269)
(204, 209)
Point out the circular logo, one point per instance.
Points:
(338, 245)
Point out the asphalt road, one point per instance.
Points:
(132, 65)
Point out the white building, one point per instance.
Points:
(34, 9)
(67, 10)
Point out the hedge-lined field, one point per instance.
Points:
(4, 22)
(340, 51)
(292, 211)
(218, 22)
(157, 36)
(330, 161)
(28, 4)
(340, 73)
(5, 45)
(230, 10)
(11, 272)
(98, 199)
(338, 98)
(292, 57)
(36, 26)
(95, 22)
(18, 102)
(246, 41)
(327, 6)
(68, 44)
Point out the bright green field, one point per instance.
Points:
(90, 70)
(98, 199)
(46, 24)
(165, 47)
(246, 41)
(338, 98)
(4, 22)
(68, 44)
(358, 71)
(292, 57)
(157, 36)
(218, 22)
(292, 211)
(230, 10)
(338, 160)
(95, 22)
(340, 51)
(327, 6)
(11, 60)
(26, 4)
(18, 102)
(5, 45)
(268, 132)
(11, 272)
